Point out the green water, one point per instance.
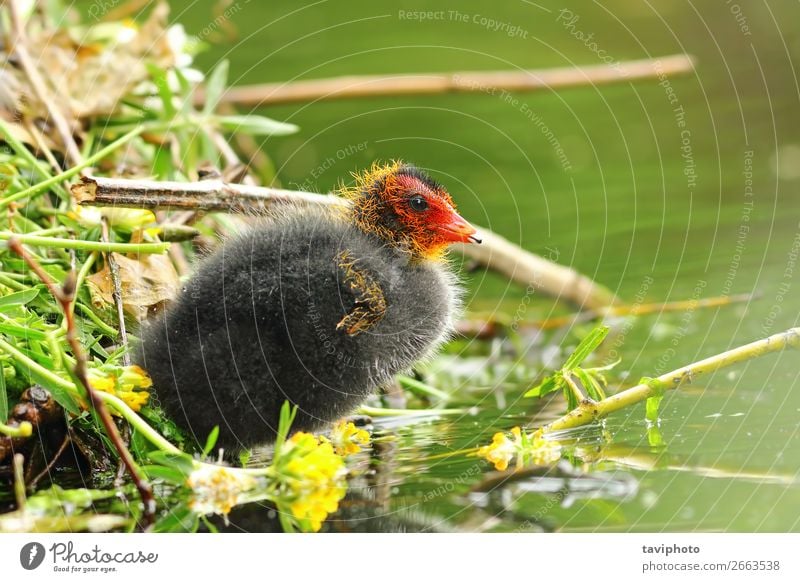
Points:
(647, 207)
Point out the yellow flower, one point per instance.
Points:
(134, 377)
(541, 451)
(129, 383)
(502, 449)
(315, 478)
(316, 505)
(347, 439)
(217, 489)
(533, 449)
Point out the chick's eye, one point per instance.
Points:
(418, 203)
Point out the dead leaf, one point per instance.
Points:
(147, 282)
(90, 68)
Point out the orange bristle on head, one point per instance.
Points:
(403, 205)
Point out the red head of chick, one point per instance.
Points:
(317, 306)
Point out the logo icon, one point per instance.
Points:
(31, 555)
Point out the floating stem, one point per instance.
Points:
(588, 411)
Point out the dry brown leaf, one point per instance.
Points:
(147, 282)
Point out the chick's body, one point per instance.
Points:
(305, 307)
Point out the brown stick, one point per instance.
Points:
(495, 253)
(113, 268)
(458, 82)
(65, 295)
(19, 44)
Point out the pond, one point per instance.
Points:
(661, 190)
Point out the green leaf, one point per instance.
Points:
(549, 384)
(211, 441)
(161, 82)
(651, 408)
(284, 516)
(215, 86)
(254, 124)
(654, 437)
(288, 412)
(572, 400)
(586, 347)
(244, 457)
(59, 394)
(19, 298)
(605, 368)
(590, 384)
(211, 527)
(166, 473)
(180, 519)
(182, 463)
(186, 92)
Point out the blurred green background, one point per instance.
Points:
(646, 207)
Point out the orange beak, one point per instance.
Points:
(456, 229)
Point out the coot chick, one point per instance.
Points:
(317, 306)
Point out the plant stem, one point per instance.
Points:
(65, 296)
(87, 264)
(107, 329)
(23, 429)
(85, 245)
(422, 388)
(139, 423)
(19, 481)
(113, 401)
(373, 411)
(637, 310)
(9, 282)
(23, 152)
(588, 411)
(579, 396)
(73, 171)
(38, 369)
(113, 268)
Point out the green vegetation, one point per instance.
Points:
(468, 402)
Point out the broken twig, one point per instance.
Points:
(495, 253)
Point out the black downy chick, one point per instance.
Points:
(317, 306)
